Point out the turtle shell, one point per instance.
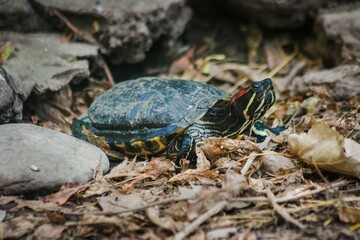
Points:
(152, 106)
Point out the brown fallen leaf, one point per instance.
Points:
(17, 227)
(49, 231)
(201, 161)
(66, 191)
(195, 174)
(163, 222)
(7, 199)
(183, 63)
(327, 149)
(156, 167)
(116, 202)
(2, 216)
(215, 148)
(349, 214)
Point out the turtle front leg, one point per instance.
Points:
(183, 146)
(187, 150)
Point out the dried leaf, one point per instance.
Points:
(215, 148)
(162, 222)
(186, 192)
(36, 205)
(2, 215)
(55, 217)
(49, 231)
(201, 162)
(195, 174)
(7, 199)
(235, 182)
(183, 63)
(349, 214)
(117, 202)
(66, 191)
(97, 220)
(99, 187)
(327, 149)
(5, 51)
(18, 227)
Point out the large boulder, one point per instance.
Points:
(35, 159)
(126, 29)
(337, 34)
(40, 63)
(275, 13)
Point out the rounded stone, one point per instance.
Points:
(34, 159)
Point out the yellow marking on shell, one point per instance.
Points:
(123, 147)
(160, 141)
(140, 145)
(239, 137)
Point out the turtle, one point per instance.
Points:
(150, 116)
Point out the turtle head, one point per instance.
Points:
(253, 102)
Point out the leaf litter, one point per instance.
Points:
(299, 183)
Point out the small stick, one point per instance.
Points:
(293, 73)
(108, 74)
(82, 35)
(282, 211)
(283, 63)
(290, 198)
(248, 164)
(201, 219)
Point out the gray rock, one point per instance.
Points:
(39, 64)
(275, 13)
(10, 104)
(344, 81)
(275, 164)
(18, 15)
(127, 28)
(35, 159)
(338, 37)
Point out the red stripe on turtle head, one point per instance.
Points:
(239, 95)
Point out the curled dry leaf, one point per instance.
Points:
(201, 162)
(194, 175)
(49, 231)
(327, 149)
(235, 182)
(66, 191)
(2, 215)
(118, 202)
(17, 227)
(215, 148)
(349, 214)
(163, 222)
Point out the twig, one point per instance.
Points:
(248, 164)
(86, 37)
(282, 211)
(283, 63)
(290, 198)
(108, 74)
(201, 219)
(293, 73)
(80, 34)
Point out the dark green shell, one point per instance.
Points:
(148, 107)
